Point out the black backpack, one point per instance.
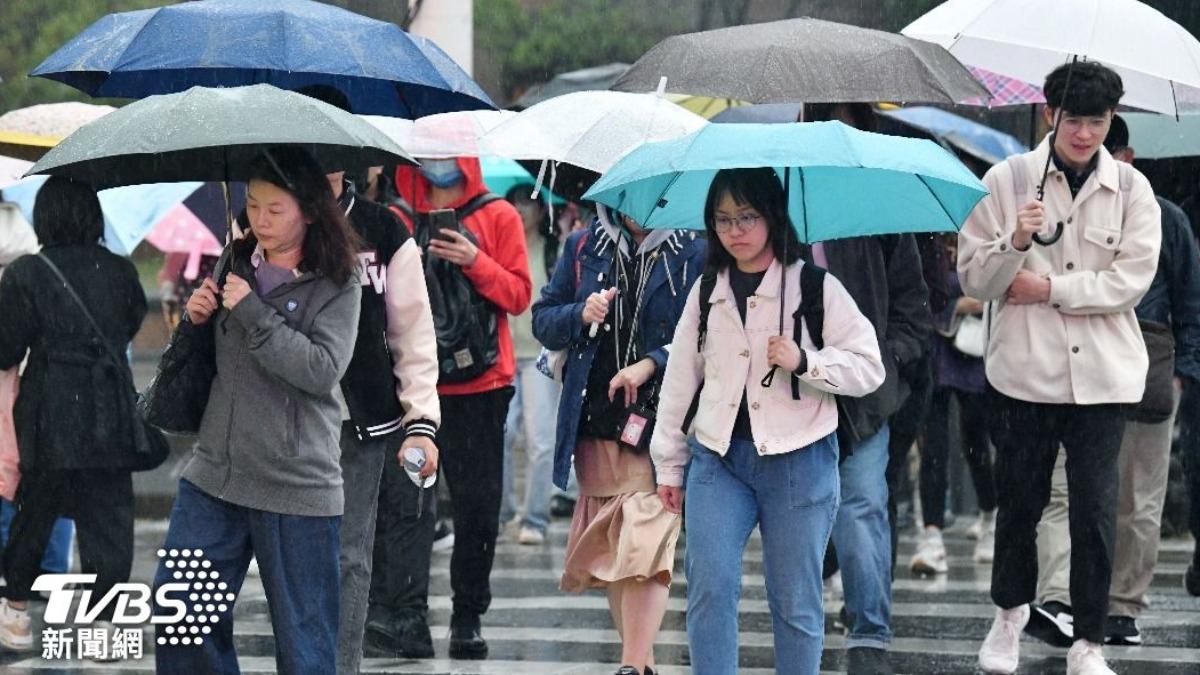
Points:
(810, 313)
(468, 334)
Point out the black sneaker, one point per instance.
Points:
(868, 661)
(466, 639)
(402, 635)
(1122, 630)
(649, 671)
(1191, 580)
(562, 507)
(1052, 623)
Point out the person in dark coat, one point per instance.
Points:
(75, 436)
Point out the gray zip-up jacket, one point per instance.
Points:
(269, 437)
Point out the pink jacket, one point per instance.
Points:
(734, 360)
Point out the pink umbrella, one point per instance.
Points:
(180, 231)
(1005, 90)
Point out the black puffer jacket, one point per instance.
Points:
(70, 413)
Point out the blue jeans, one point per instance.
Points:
(863, 541)
(298, 559)
(57, 558)
(534, 408)
(793, 499)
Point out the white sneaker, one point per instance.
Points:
(987, 519)
(1087, 658)
(930, 557)
(252, 570)
(1001, 648)
(16, 632)
(985, 547)
(833, 589)
(531, 537)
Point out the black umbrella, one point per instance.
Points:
(803, 60)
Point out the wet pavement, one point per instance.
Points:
(533, 628)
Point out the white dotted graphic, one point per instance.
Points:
(206, 593)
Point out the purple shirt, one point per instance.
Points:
(268, 276)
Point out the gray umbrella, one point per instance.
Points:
(586, 79)
(803, 60)
(213, 135)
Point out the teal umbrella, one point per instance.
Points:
(501, 175)
(1162, 136)
(841, 182)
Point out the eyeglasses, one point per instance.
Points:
(744, 222)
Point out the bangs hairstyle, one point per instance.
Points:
(760, 189)
(1095, 89)
(66, 212)
(330, 246)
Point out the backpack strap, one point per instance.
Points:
(477, 202)
(810, 313)
(1020, 176)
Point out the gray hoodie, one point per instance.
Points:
(269, 437)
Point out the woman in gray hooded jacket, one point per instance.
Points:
(264, 478)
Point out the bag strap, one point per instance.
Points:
(708, 283)
(477, 202)
(88, 315)
(810, 313)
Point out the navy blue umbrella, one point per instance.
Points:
(290, 44)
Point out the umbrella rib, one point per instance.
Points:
(936, 198)
(662, 194)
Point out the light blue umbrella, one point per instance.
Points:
(969, 136)
(130, 212)
(1162, 136)
(841, 182)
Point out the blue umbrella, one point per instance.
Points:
(288, 43)
(978, 140)
(841, 182)
(130, 212)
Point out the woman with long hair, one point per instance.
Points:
(264, 478)
(765, 450)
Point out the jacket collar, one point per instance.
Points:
(1106, 172)
(767, 288)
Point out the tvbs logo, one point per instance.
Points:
(187, 606)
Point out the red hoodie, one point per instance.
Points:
(501, 269)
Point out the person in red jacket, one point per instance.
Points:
(494, 260)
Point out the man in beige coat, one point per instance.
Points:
(1064, 349)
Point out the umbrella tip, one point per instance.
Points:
(662, 86)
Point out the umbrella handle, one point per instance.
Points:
(1041, 192)
(1052, 239)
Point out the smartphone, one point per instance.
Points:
(440, 220)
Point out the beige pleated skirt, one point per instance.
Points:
(620, 529)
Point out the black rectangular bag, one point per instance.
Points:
(1158, 402)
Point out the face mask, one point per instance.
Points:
(442, 173)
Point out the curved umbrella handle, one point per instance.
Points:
(1052, 239)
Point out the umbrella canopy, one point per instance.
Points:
(213, 135)
(973, 138)
(54, 120)
(288, 43)
(130, 213)
(596, 78)
(1157, 58)
(1161, 137)
(11, 170)
(841, 182)
(1004, 91)
(803, 60)
(590, 129)
(704, 106)
(180, 231)
(455, 134)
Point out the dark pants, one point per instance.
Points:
(471, 446)
(1189, 450)
(935, 452)
(362, 467)
(906, 425)
(101, 502)
(298, 560)
(1027, 437)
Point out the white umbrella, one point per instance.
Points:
(1158, 60)
(11, 170)
(56, 120)
(590, 129)
(452, 134)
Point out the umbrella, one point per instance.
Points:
(11, 170)
(586, 79)
(291, 44)
(1004, 90)
(973, 138)
(803, 60)
(213, 135)
(839, 180)
(130, 212)
(54, 120)
(1160, 137)
(704, 106)
(590, 129)
(502, 175)
(453, 134)
(1157, 58)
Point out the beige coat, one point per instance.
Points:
(734, 361)
(1083, 346)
